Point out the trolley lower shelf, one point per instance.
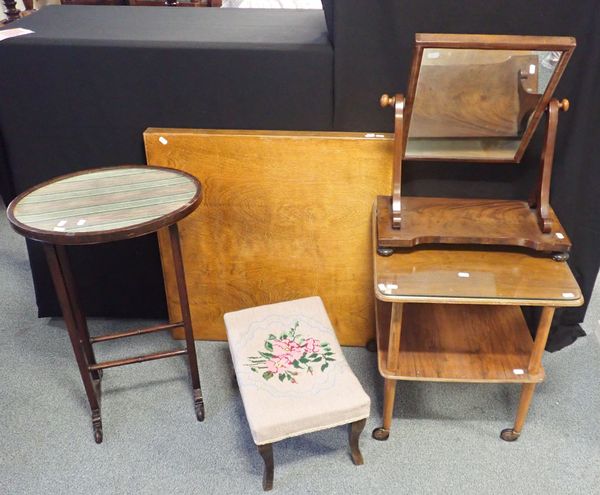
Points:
(455, 342)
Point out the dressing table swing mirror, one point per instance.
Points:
(476, 98)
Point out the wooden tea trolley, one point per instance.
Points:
(452, 314)
(104, 205)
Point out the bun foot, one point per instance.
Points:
(371, 345)
(381, 434)
(509, 435)
(383, 251)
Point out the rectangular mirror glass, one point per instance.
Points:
(481, 101)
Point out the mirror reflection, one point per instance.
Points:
(475, 103)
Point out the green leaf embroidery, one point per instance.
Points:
(324, 366)
(267, 375)
(281, 377)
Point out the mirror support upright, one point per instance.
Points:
(540, 199)
(399, 149)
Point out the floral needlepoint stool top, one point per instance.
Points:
(290, 354)
(291, 371)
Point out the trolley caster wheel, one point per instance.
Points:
(560, 256)
(98, 433)
(381, 434)
(509, 435)
(371, 345)
(383, 251)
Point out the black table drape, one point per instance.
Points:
(79, 92)
(373, 44)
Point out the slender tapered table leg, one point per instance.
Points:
(79, 316)
(62, 292)
(187, 320)
(389, 395)
(389, 390)
(535, 364)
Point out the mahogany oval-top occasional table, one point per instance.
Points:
(102, 205)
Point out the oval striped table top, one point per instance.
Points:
(105, 204)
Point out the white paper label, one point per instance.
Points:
(559, 235)
(568, 295)
(464, 274)
(518, 371)
(433, 55)
(370, 135)
(532, 68)
(163, 140)
(12, 33)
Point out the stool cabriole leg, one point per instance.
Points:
(354, 431)
(187, 320)
(57, 271)
(266, 452)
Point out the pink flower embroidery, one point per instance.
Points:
(287, 347)
(278, 364)
(288, 355)
(312, 345)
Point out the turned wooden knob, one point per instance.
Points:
(388, 101)
(564, 105)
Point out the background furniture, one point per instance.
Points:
(80, 92)
(99, 206)
(293, 376)
(447, 314)
(373, 44)
(286, 215)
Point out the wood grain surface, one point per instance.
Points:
(285, 215)
(466, 343)
(472, 275)
(468, 221)
(476, 97)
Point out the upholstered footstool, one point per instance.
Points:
(292, 375)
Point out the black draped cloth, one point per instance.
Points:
(373, 44)
(80, 91)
